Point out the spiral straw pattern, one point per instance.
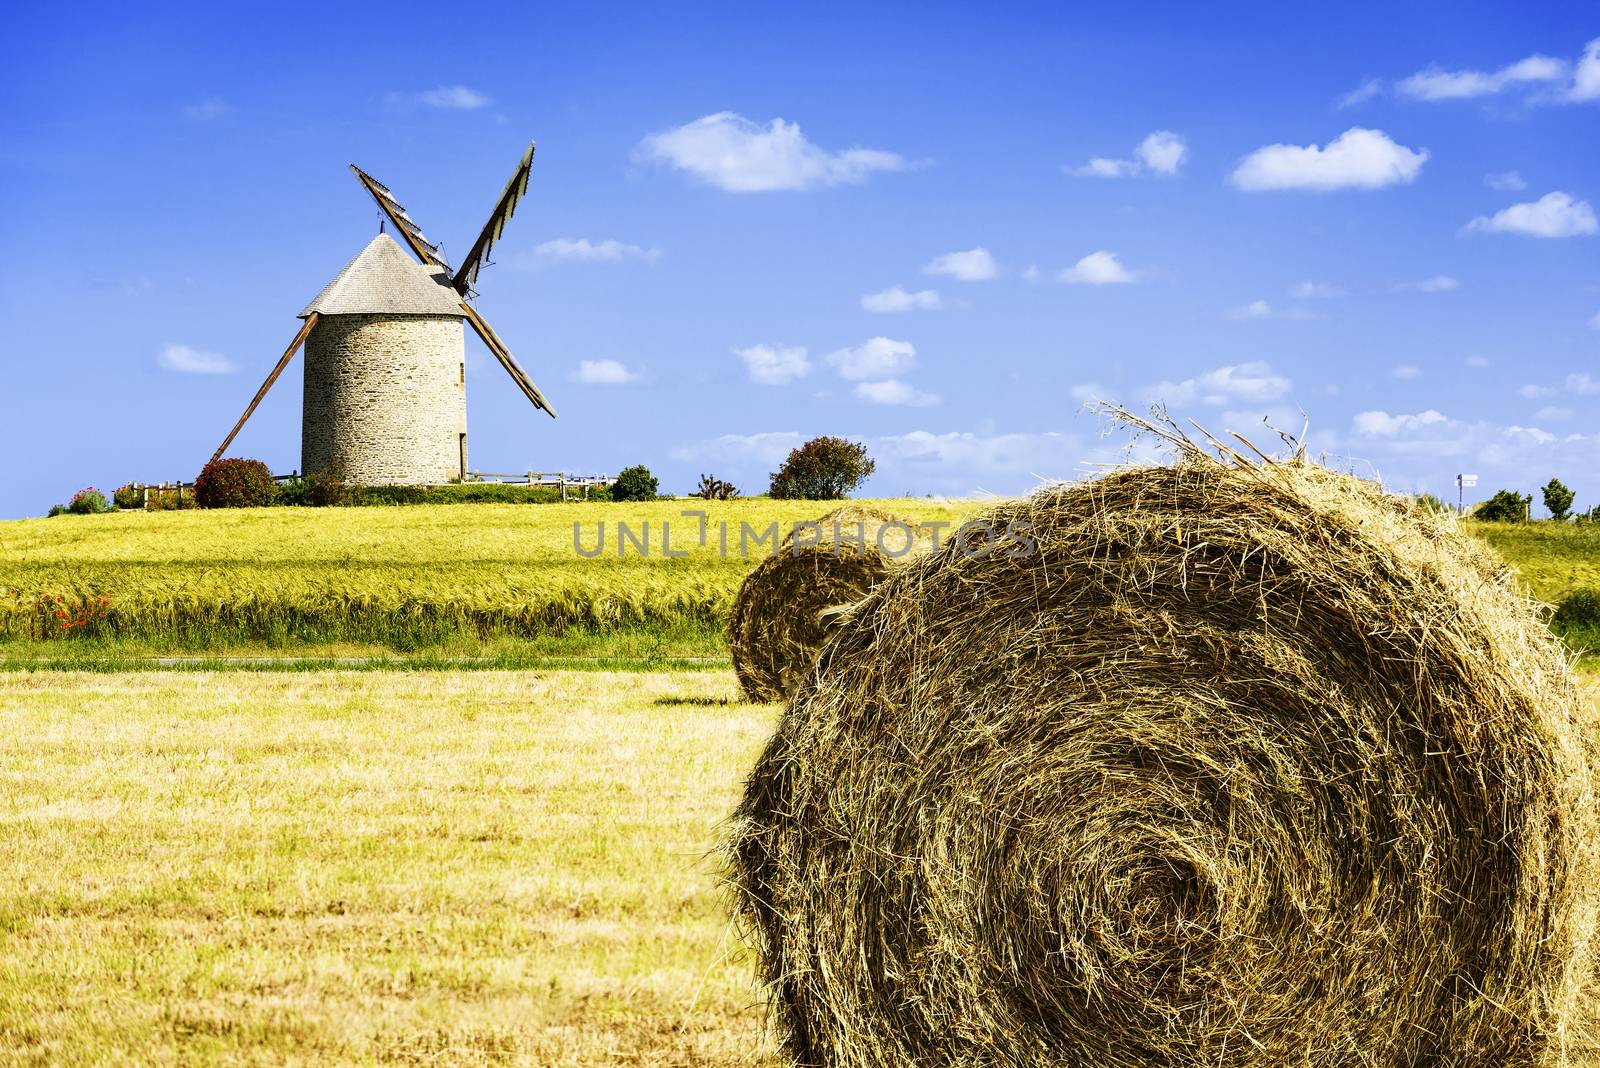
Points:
(1222, 763)
(780, 617)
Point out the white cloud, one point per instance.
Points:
(1586, 76)
(1030, 273)
(1594, 324)
(1406, 372)
(1315, 291)
(188, 361)
(878, 357)
(1439, 283)
(1097, 269)
(1477, 361)
(604, 373)
(767, 450)
(1535, 392)
(728, 151)
(894, 391)
(1505, 180)
(1100, 167)
(894, 299)
(1250, 383)
(1356, 159)
(1584, 385)
(1256, 309)
(1552, 215)
(1362, 93)
(1530, 434)
(582, 250)
(973, 265)
(773, 365)
(1161, 151)
(1382, 424)
(453, 97)
(207, 110)
(1553, 414)
(1437, 84)
(960, 458)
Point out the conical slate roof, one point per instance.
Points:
(384, 279)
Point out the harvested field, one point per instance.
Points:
(504, 868)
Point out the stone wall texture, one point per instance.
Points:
(385, 394)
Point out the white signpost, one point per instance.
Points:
(1463, 483)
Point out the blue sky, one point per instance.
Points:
(935, 229)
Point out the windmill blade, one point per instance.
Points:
(503, 354)
(504, 208)
(425, 250)
(283, 361)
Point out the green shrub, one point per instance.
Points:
(129, 497)
(461, 493)
(634, 483)
(1558, 500)
(88, 501)
(327, 488)
(712, 488)
(1429, 503)
(170, 499)
(235, 483)
(291, 492)
(55, 510)
(823, 469)
(1506, 506)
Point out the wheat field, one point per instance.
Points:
(397, 577)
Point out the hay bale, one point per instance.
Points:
(782, 614)
(1246, 764)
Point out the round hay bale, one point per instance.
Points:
(781, 618)
(1241, 764)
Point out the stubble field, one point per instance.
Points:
(371, 868)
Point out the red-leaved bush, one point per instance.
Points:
(235, 483)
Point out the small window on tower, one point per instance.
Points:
(463, 372)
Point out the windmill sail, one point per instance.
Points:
(425, 250)
(464, 279)
(283, 361)
(509, 362)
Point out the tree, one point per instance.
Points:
(1558, 499)
(823, 469)
(1506, 506)
(634, 483)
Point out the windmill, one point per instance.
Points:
(386, 374)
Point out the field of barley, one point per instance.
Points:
(446, 577)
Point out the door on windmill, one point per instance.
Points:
(462, 439)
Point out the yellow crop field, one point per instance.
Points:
(402, 577)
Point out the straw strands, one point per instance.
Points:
(1243, 763)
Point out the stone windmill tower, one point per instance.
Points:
(386, 372)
